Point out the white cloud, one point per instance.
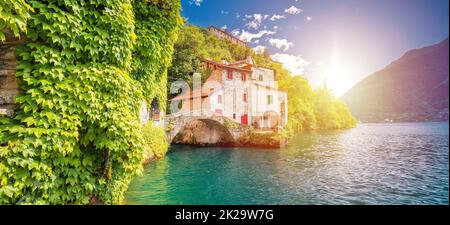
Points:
(256, 41)
(281, 43)
(277, 17)
(235, 32)
(308, 18)
(293, 63)
(259, 49)
(275, 27)
(195, 2)
(293, 10)
(224, 12)
(224, 27)
(258, 18)
(248, 37)
(256, 21)
(238, 15)
(252, 25)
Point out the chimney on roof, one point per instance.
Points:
(224, 61)
(249, 60)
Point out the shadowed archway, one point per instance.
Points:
(271, 120)
(204, 132)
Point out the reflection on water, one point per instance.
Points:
(372, 164)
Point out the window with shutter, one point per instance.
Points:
(269, 99)
(244, 76)
(230, 75)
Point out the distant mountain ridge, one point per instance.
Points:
(413, 88)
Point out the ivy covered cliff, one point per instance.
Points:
(83, 70)
(308, 109)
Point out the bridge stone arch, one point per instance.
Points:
(201, 130)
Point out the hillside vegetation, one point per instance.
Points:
(308, 109)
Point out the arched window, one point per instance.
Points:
(155, 112)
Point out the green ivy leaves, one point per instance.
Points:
(85, 69)
(156, 32)
(13, 16)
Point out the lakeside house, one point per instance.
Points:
(239, 90)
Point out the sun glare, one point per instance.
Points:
(337, 75)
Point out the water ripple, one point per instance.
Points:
(371, 164)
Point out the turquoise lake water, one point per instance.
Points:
(403, 163)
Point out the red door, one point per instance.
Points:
(244, 119)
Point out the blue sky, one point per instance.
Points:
(340, 40)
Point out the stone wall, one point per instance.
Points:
(204, 132)
(219, 131)
(8, 82)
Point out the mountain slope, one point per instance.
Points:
(412, 88)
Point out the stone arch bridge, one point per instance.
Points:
(203, 130)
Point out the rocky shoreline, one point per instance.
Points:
(204, 133)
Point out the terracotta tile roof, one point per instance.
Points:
(238, 62)
(215, 76)
(226, 66)
(244, 62)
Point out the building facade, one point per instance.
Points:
(240, 91)
(222, 34)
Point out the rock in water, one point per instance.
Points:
(205, 133)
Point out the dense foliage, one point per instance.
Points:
(194, 43)
(14, 15)
(307, 108)
(156, 31)
(85, 70)
(154, 137)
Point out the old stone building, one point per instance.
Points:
(222, 34)
(240, 91)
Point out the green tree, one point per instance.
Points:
(330, 112)
(189, 48)
(300, 107)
